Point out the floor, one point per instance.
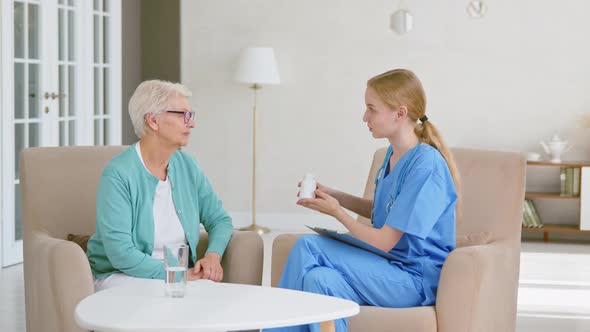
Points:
(554, 287)
(553, 294)
(12, 301)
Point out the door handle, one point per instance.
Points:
(54, 95)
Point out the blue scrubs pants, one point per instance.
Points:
(322, 265)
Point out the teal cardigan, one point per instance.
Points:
(124, 238)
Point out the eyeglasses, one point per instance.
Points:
(187, 115)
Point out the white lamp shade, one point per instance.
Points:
(257, 65)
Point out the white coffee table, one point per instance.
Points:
(207, 306)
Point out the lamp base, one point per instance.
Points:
(255, 228)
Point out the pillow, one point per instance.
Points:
(473, 239)
(81, 240)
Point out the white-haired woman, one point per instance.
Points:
(153, 194)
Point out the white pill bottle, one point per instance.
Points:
(308, 186)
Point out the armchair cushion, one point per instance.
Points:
(377, 319)
(81, 240)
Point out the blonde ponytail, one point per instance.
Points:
(401, 87)
(430, 135)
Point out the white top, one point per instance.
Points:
(167, 226)
(207, 306)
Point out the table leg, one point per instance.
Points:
(327, 326)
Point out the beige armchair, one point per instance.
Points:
(479, 280)
(58, 198)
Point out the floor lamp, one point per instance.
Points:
(256, 66)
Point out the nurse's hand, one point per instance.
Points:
(325, 189)
(319, 186)
(323, 203)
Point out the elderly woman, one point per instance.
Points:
(154, 194)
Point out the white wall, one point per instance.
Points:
(502, 82)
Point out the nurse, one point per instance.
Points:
(413, 214)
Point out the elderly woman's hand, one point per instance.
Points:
(208, 267)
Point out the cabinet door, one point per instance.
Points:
(585, 199)
(48, 89)
(106, 75)
(25, 76)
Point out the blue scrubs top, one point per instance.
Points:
(418, 197)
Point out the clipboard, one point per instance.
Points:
(353, 241)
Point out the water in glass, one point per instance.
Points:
(175, 281)
(176, 265)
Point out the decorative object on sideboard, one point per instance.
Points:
(476, 8)
(256, 66)
(533, 156)
(530, 215)
(555, 148)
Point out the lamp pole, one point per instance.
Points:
(254, 227)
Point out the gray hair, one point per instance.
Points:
(152, 97)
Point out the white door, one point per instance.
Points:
(60, 84)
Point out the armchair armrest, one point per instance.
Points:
(281, 246)
(57, 278)
(71, 278)
(478, 288)
(243, 259)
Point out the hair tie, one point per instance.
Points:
(424, 119)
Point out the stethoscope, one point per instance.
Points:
(380, 176)
(378, 179)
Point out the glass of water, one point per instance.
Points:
(176, 265)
